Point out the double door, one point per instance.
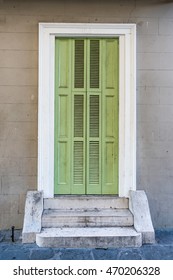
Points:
(86, 116)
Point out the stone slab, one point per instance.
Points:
(80, 201)
(41, 253)
(87, 218)
(73, 254)
(33, 213)
(89, 237)
(142, 219)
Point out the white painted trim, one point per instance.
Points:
(127, 98)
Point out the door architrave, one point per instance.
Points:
(127, 98)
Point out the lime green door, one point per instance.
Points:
(86, 116)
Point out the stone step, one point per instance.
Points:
(86, 201)
(87, 218)
(89, 237)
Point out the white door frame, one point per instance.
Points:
(127, 98)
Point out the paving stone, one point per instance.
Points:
(157, 252)
(76, 254)
(15, 254)
(41, 254)
(150, 252)
(2, 249)
(56, 256)
(30, 245)
(132, 254)
(167, 253)
(164, 236)
(1, 238)
(105, 254)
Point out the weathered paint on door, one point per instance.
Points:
(86, 116)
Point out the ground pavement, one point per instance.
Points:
(161, 250)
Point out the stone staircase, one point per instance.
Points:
(87, 221)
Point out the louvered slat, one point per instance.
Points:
(94, 63)
(78, 163)
(94, 116)
(78, 115)
(94, 162)
(79, 64)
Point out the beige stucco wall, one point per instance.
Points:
(19, 95)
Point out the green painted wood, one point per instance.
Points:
(63, 99)
(110, 112)
(93, 156)
(78, 72)
(86, 116)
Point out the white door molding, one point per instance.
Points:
(127, 98)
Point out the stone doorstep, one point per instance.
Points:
(87, 212)
(87, 217)
(87, 201)
(106, 237)
(91, 237)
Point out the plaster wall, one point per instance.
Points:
(19, 95)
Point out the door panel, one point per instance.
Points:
(63, 100)
(110, 77)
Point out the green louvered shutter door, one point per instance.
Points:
(86, 116)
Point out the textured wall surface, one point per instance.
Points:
(19, 95)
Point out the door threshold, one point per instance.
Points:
(86, 195)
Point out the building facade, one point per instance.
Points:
(19, 102)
